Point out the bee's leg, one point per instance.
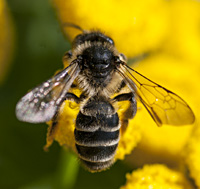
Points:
(72, 97)
(69, 96)
(51, 130)
(130, 112)
(54, 122)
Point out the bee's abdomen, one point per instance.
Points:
(97, 139)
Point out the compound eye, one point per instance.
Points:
(122, 57)
(77, 41)
(110, 41)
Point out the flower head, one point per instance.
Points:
(156, 176)
(167, 31)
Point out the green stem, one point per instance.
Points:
(68, 170)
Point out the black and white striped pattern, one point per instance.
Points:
(97, 134)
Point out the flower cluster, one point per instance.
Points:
(156, 176)
(168, 31)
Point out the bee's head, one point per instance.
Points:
(97, 53)
(98, 59)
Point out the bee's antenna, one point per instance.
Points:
(67, 24)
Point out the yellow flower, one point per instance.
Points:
(156, 177)
(162, 29)
(6, 40)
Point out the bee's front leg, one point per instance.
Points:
(69, 96)
(54, 122)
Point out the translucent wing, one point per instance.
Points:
(164, 106)
(41, 103)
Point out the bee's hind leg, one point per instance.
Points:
(54, 122)
(130, 112)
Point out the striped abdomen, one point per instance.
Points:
(97, 134)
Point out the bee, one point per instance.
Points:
(101, 73)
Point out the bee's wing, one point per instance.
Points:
(41, 103)
(164, 106)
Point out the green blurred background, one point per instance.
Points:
(38, 53)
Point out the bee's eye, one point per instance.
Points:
(123, 57)
(110, 40)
